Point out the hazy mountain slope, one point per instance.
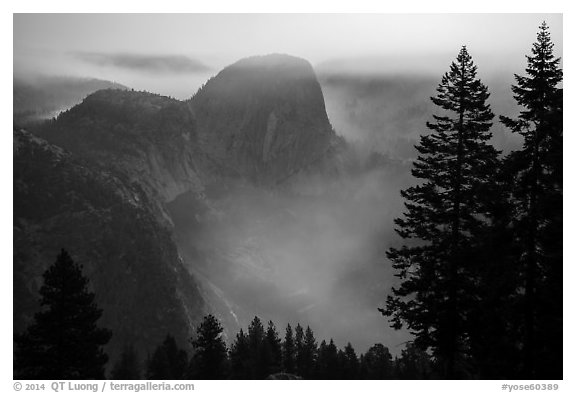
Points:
(36, 97)
(106, 225)
(149, 138)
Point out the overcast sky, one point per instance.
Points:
(174, 53)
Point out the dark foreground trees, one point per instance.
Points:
(288, 351)
(481, 268)
(444, 213)
(536, 179)
(262, 354)
(64, 342)
(301, 356)
(210, 356)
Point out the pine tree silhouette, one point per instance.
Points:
(64, 342)
(377, 363)
(257, 356)
(289, 351)
(321, 371)
(210, 358)
(331, 360)
(308, 354)
(537, 193)
(273, 349)
(240, 357)
(351, 363)
(299, 345)
(444, 213)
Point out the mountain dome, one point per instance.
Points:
(263, 117)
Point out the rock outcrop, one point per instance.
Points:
(148, 138)
(263, 118)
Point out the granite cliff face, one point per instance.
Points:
(107, 226)
(260, 120)
(148, 138)
(263, 118)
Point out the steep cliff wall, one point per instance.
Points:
(263, 118)
(109, 227)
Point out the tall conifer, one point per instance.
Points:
(537, 196)
(64, 342)
(289, 351)
(444, 212)
(209, 361)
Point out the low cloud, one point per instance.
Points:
(144, 63)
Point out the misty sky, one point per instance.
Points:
(174, 54)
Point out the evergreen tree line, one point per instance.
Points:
(481, 268)
(261, 353)
(64, 342)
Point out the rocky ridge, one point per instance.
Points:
(105, 223)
